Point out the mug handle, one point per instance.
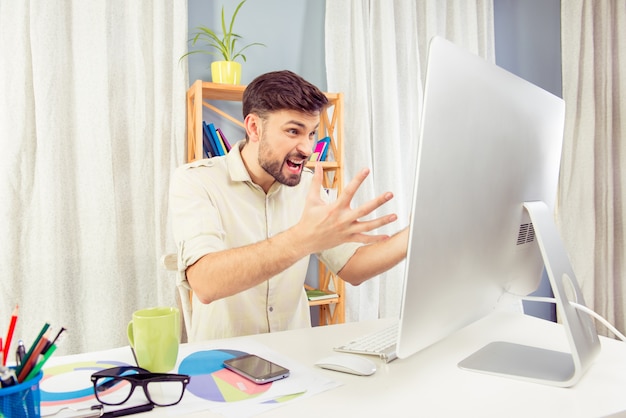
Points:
(131, 337)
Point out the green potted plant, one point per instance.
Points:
(226, 70)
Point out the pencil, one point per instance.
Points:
(26, 358)
(31, 361)
(7, 342)
(41, 362)
(54, 341)
(128, 411)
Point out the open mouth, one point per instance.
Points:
(295, 165)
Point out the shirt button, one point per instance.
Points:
(271, 309)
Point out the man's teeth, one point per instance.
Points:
(294, 163)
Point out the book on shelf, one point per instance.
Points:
(326, 142)
(320, 150)
(223, 138)
(207, 151)
(217, 143)
(214, 141)
(318, 294)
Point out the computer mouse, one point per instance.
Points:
(348, 363)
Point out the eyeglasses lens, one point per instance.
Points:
(112, 390)
(164, 393)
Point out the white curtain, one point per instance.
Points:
(376, 55)
(92, 122)
(591, 210)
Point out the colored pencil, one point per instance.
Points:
(41, 362)
(26, 358)
(7, 341)
(32, 360)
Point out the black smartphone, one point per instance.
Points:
(256, 369)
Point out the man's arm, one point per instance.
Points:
(225, 273)
(322, 226)
(371, 260)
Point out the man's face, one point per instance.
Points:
(286, 142)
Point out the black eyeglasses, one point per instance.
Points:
(114, 386)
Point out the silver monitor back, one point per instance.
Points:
(488, 159)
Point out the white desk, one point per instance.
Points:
(429, 384)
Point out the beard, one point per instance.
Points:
(274, 166)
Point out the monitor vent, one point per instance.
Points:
(526, 234)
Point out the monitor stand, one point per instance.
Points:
(537, 364)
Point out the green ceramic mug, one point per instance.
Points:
(154, 335)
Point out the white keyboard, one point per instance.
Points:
(380, 343)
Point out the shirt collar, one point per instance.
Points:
(238, 171)
(236, 168)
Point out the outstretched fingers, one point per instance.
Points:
(330, 225)
(351, 188)
(316, 184)
(359, 227)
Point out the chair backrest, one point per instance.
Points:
(170, 262)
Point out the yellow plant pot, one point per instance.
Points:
(226, 72)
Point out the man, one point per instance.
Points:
(246, 223)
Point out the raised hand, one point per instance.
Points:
(328, 225)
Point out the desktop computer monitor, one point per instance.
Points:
(482, 215)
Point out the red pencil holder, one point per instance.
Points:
(21, 400)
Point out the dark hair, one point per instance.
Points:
(282, 90)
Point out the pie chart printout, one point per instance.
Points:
(211, 381)
(71, 383)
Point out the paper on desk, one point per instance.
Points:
(66, 381)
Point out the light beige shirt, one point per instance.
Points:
(215, 206)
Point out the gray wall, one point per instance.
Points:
(293, 32)
(528, 40)
(527, 35)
